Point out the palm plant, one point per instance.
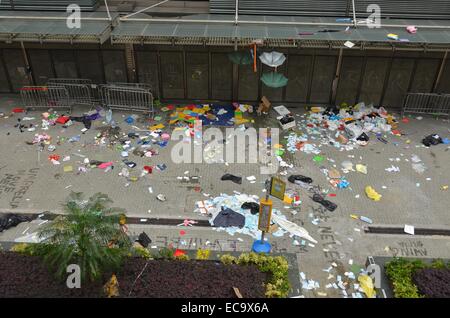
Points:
(88, 235)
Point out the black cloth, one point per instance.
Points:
(298, 177)
(235, 179)
(363, 137)
(84, 119)
(228, 217)
(252, 206)
(432, 140)
(9, 220)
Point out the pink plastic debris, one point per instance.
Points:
(105, 165)
(411, 29)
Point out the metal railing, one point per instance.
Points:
(68, 92)
(81, 91)
(127, 98)
(427, 103)
(45, 97)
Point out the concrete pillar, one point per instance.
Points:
(131, 63)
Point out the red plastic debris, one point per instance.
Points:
(332, 194)
(405, 120)
(179, 253)
(148, 169)
(63, 119)
(396, 132)
(182, 232)
(54, 157)
(18, 110)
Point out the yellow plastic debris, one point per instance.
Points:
(316, 109)
(287, 199)
(444, 187)
(68, 168)
(203, 254)
(372, 194)
(111, 288)
(361, 168)
(156, 127)
(367, 285)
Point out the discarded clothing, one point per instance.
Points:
(252, 206)
(292, 228)
(432, 140)
(10, 220)
(296, 177)
(228, 217)
(330, 206)
(87, 122)
(231, 177)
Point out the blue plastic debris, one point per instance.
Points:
(129, 120)
(75, 138)
(343, 184)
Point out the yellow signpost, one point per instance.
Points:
(276, 188)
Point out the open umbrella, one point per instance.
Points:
(241, 58)
(274, 80)
(273, 59)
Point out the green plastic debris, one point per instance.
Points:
(318, 159)
(279, 152)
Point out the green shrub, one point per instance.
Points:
(182, 257)
(166, 253)
(141, 252)
(438, 264)
(23, 248)
(88, 235)
(400, 272)
(228, 259)
(277, 267)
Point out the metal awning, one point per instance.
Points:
(222, 30)
(48, 27)
(280, 31)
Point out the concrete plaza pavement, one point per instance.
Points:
(407, 196)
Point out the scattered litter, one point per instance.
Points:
(161, 197)
(372, 194)
(392, 169)
(409, 229)
(361, 168)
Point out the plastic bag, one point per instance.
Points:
(372, 194)
(367, 285)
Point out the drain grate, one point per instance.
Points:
(400, 230)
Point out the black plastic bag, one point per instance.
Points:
(432, 140)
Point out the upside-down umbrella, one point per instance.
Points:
(241, 58)
(274, 80)
(272, 59)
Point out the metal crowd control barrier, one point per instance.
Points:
(131, 85)
(128, 98)
(84, 81)
(81, 91)
(45, 97)
(427, 103)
